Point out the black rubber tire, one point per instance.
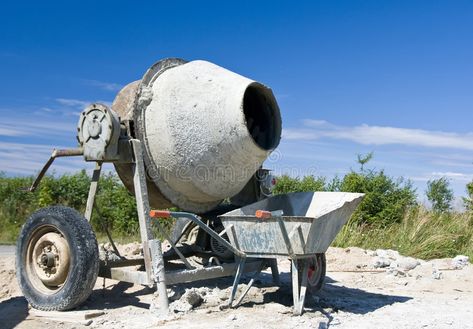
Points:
(84, 258)
(317, 282)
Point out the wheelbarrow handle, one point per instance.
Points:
(197, 220)
(160, 214)
(268, 214)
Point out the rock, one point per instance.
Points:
(223, 295)
(189, 300)
(422, 271)
(136, 249)
(436, 274)
(371, 253)
(408, 263)
(272, 308)
(232, 317)
(389, 254)
(193, 297)
(460, 262)
(381, 262)
(174, 294)
(396, 272)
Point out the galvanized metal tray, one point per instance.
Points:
(309, 223)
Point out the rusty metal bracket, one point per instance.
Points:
(56, 154)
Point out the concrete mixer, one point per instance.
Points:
(190, 135)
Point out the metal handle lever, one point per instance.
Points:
(56, 154)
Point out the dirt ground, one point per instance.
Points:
(364, 289)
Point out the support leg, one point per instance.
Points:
(158, 269)
(152, 253)
(273, 263)
(299, 289)
(93, 191)
(303, 290)
(250, 284)
(241, 265)
(295, 283)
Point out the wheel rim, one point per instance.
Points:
(47, 259)
(315, 271)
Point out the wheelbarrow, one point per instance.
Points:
(298, 226)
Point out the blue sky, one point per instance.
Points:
(392, 77)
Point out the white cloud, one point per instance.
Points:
(27, 159)
(452, 176)
(108, 86)
(44, 128)
(455, 176)
(76, 103)
(380, 135)
(73, 105)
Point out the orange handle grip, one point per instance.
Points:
(263, 214)
(160, 213)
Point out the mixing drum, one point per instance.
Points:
(205, 132)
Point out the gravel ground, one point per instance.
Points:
(364, 289)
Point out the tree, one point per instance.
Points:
(364, 159)
(439, 194)
(468, 201)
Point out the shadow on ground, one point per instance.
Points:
(336, 297)
(116, 296)
(12, 312)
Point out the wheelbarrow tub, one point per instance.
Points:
(309, 224)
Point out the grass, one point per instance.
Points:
(421, 233)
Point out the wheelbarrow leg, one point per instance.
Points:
(250, 284)
(273, 263)
(241, 265)
(299, 291)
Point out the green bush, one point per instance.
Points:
(115, 206)
(286, 184)
(16, 205)
(386, 200)
(440, 195)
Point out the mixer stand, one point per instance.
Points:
(153, 260)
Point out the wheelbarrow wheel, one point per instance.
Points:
(57, 259)
(316, 273)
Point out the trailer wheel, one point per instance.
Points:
(317, 271)
(57, 259)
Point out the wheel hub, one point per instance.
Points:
(47, 260)
(51, 259)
